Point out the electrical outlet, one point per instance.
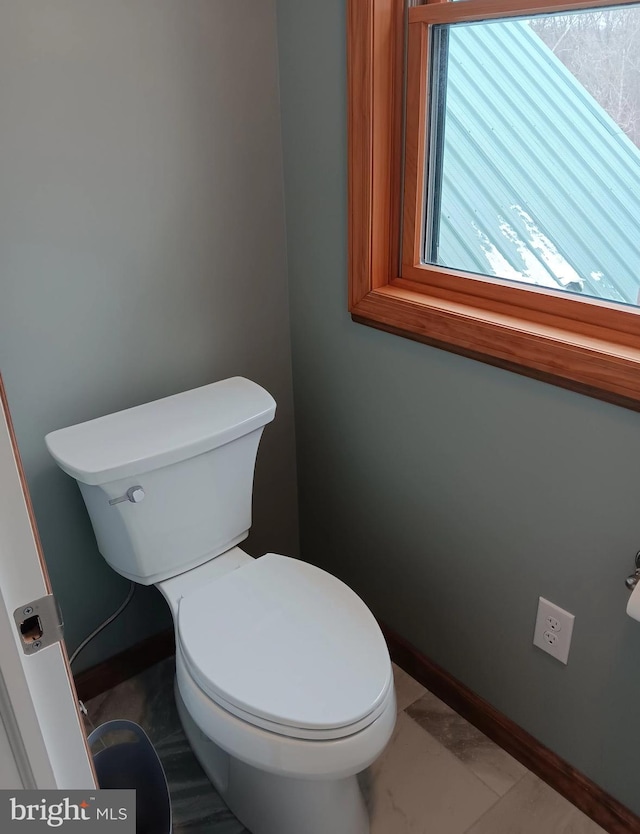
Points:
(553, 630)
(553, 623)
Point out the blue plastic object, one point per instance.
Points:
(135, 765)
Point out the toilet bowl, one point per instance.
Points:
(284, 684)
(285, 755)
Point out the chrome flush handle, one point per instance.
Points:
(135, 494)
(632, 580)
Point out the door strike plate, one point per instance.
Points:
(39, 624)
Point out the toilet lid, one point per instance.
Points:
(285, 641)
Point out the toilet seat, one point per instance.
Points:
(276, 753)
(291, 731)
(287, 647)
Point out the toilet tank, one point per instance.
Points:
(168, 484)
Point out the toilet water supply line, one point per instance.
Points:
(107, 622)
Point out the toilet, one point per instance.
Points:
(284, 684)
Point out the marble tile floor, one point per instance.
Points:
(438, 775)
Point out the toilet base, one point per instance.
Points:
(267, 803)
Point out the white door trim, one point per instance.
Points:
(38, 702)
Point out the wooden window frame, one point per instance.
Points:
(587, 345)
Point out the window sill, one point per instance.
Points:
(548, 351)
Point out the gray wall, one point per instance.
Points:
(141, 248)
(451, 494)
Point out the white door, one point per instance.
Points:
(42, 740)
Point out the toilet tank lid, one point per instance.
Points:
(162, 432)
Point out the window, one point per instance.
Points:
(494, 183)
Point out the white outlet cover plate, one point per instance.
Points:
(559, 649)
